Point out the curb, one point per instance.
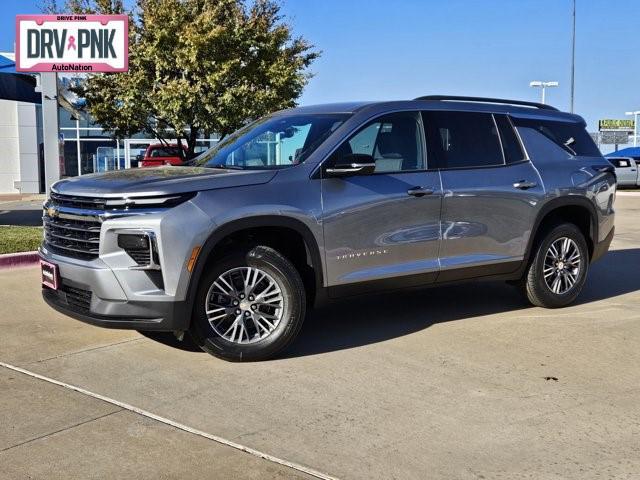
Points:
(21, 259)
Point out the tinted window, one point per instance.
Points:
(462, 139)
(510, 143)
(572, 137)
(394, 141)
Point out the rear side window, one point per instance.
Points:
(510, 144)
(571, 137)
(462, 139)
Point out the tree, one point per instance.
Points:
(196, 66)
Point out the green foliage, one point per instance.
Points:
(19, 239)
(198, 66)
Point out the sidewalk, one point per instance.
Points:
(20, 197)
(62, 429)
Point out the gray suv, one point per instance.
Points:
(315, 203)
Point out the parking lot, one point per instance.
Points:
(463, 382)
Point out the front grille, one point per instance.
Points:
(78, 237)
(74, 298)
(72, 225)
(77, 298)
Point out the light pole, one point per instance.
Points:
(543, 86)
(635, 126)
(573, 58)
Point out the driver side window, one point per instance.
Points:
(393, 141)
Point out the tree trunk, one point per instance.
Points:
(191, 142)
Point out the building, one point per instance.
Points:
(21, 161)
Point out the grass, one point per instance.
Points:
(19, 239)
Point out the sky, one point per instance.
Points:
(401, 49)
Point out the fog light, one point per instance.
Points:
(133, 242)
(142, 249)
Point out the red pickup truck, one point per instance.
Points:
(157, 155)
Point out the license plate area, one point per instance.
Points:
(50, 276)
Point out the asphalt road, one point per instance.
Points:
(21, 213)
(463, 382)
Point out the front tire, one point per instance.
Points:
(559, 268)
(250, 305)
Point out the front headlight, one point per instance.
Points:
(162, 201)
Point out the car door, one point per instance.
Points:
(490, 190)
(383, 226)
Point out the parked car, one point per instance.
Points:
(627, 171)
(158, 155)
(316, 203)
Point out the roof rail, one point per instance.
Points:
(453, 98)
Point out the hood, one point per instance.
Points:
(159, 181)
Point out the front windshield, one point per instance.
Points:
(272, 142)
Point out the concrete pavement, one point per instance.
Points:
(456, 382)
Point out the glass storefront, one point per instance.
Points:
(89, 149)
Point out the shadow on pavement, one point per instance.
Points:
(363, 320)
(170, 340)
(369, 319)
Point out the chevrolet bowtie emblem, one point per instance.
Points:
(52, 211)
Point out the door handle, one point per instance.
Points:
(419, 191)
(524, 185)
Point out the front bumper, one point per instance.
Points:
(164, 317)
(90, 292)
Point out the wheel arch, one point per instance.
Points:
(237, 227)
(577, 210)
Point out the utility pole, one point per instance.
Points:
(573, 58)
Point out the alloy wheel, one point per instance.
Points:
(562, 264)
(244, 305)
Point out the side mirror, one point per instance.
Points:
(352, 164)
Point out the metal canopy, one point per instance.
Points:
(16, 86)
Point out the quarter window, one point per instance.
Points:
(570, 136)
(462, 139)
(393, 141)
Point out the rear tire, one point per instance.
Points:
(559, 268)
(250, 305)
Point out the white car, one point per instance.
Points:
(626, 171)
